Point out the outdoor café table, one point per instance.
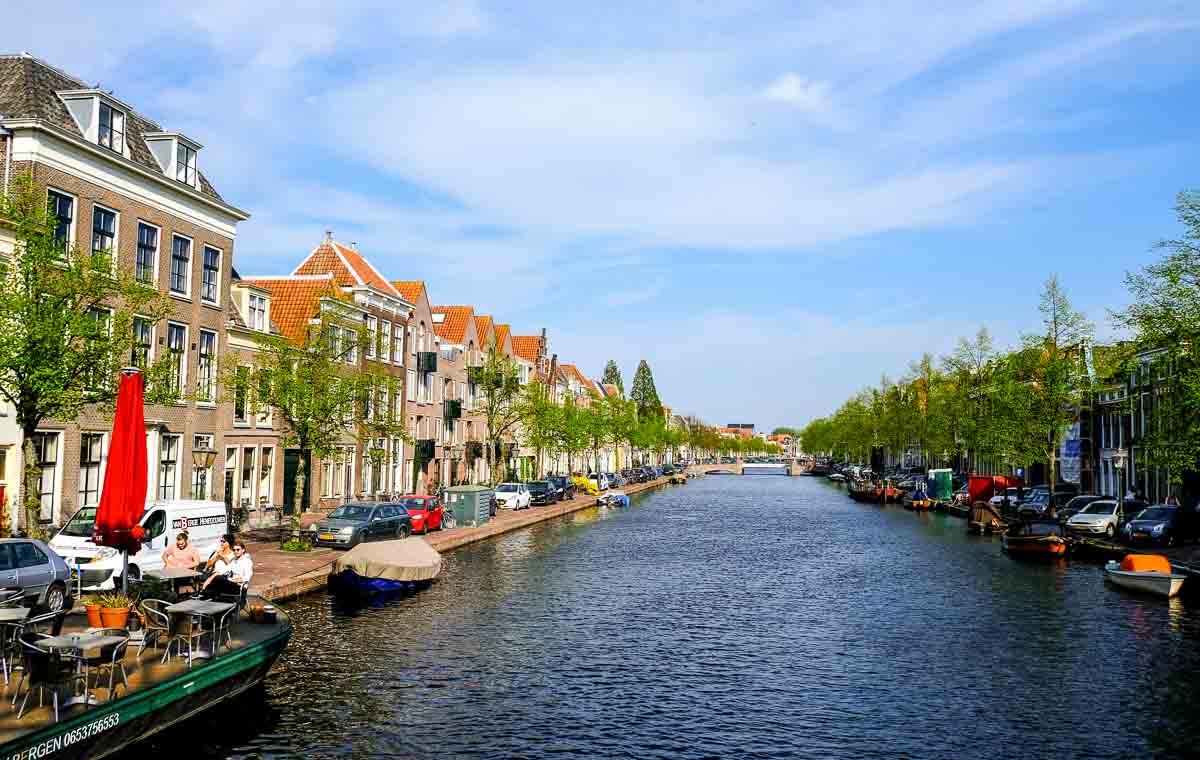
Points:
(174, 575)
(81, 642)
(205, 609)
(11, 620)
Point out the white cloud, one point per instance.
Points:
(806, 95)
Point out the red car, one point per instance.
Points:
(425, 511)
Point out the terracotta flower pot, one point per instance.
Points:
(93, 614)
(114, 617)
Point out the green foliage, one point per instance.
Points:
(498, 384)
(643, 394)
(114, 601)
(786, 431)
(66, 326)
(296, 545)
(612, 376)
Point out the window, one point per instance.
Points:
(45, 448)
(385, 341)
(258, 312)
(104, 231)
(177, 346)
(351, 346)
(210, 278)
(112, 128)
(144, 263)
(206, 385)
(437, 429)
(230, 475)
(372, 336)
(143, 340)
(421, 337)
(91, 449)
(266, 460)
(185, 164)
(98, 373)
(247, 473)
(398, 343)
(396, 465)
(412, 342)
(181, 261)
(239, 394)
(348, 482)
(201, 477)
(168, 466)
(327, 479)
(62, 208)
(29, 555)
(427, 387)
(412, 385)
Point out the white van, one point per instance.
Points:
(100, 566)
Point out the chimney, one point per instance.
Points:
(328, 236)
(354, 245)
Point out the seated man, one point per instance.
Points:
(230, 577)
(182, 555)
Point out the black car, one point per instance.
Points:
(1153, 525)
(562, 486)
(351, 524)
(541, 492)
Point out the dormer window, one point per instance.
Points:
(185, 164)
(112, 128)
(258, 312)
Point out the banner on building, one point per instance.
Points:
(1070, 463)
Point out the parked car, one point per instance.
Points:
(1103, 517)
(426, 512)
(1073, 506)
(36, 569)
(564, 486)
(351, 524)
(615, 480)
(1035, 506)
(541, 492)
(1153, 525)
(647, 474)
(512, 496)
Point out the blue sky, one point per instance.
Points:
(772, 203)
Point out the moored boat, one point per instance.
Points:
(613, 499)
(159, 695)
(984, 519)
(917, 500)
(1034, 539)
(385, 567)
(1147, 573)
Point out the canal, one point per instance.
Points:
(749, 617)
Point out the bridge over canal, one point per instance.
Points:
(749, 468)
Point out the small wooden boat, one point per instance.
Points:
(984, 519)
(917, 500)
(1148, 573)
(1034, 539)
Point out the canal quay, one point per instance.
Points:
(749, 617)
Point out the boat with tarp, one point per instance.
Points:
(1147, 573)
(385, 567)
(1037, 540)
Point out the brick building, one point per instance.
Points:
(119, 181)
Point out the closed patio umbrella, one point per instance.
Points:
(123, 499)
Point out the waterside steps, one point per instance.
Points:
(159, 694)
(386, 567)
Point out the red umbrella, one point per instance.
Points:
(123, 499)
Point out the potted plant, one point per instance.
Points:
(114, 609)
(92, 605)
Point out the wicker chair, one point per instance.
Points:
(185, 629)
(157, 625)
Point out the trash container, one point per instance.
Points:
(469, 504)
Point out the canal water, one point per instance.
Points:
(747, 617)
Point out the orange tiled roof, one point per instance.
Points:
(348, 267)
(502, 332)
(483, 327)
(295, 300)
(410, 290)
(527, 346)
(611, 389)
(454, 327)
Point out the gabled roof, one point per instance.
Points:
(29, 90)
(295, 301)
(484, 327)
(410, 290)
(453, 327)
(349, 268)
(610, 389)
(527, 346)
(503, 332)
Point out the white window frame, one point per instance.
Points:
(212, 400)
(385, 345)
(253, 315)
(153, 335)
(398, 343)
(372, 323)
(101, 463)
(158, 236)
(74, 214)
(186, 294)
(190, 164)
(204, 249)
(266, 474)
(411, 385)
(123, 131)
(162, 486)
(201, 441)
(231, 464)
(183, 356)
(113, 251)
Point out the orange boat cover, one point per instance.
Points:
(1146, 563)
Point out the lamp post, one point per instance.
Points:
(202, 460)
(1119, 459)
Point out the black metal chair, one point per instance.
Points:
(12, 597)
(157, 625)
(53, 619)
(45, 671)
(110, 658)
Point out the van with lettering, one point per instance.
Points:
(99, 567)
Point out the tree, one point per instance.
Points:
(786, 431)
(317, 387)
(572, 431)
(644, 395)
(1165, 317)
(541, 421)
(66, 329)
(612, 376)
(1053, 366)
(498, 381)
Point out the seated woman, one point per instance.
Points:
(230, 578)
(223, 553)
(181, 555)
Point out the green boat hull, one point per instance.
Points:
(111, 727)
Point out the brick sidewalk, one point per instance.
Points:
(280, 575)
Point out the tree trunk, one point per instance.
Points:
(33, 505)
(298, 498)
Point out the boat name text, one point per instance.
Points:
(53, 745)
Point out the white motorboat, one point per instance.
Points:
(1148, 573)
(837, 477)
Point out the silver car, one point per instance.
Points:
(33, 567)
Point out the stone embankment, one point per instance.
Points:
(280, 575)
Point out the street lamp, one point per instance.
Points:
(1119, 458)
(202, 460)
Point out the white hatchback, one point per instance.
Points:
(512, 496)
